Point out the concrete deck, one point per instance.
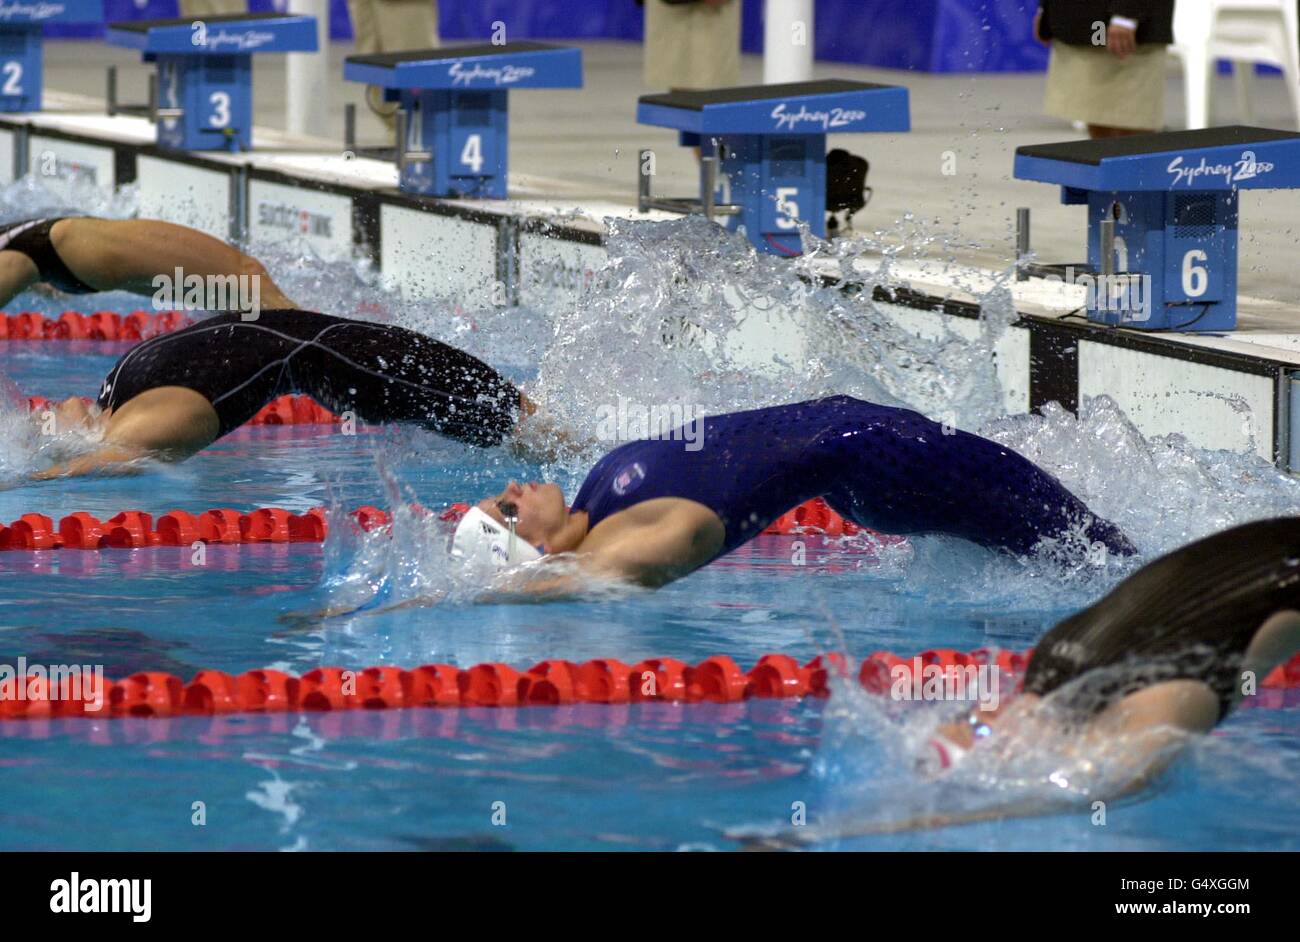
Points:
(589, 138)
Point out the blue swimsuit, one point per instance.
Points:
(888, 469)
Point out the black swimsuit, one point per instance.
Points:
(31, 237)
(379, 372)
(1189, 615)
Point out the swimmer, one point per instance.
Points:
(1127, 683)
(173, 395)
(653, 511)
(83, 255)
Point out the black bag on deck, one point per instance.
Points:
(846, 186)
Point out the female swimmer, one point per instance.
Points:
(175, 394)
(652, 511)
(82, 255)
(1125, 683)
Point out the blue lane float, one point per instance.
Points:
(763, 149)
(455, 105)
(1167, 206)
(22, 54)
(205, 71)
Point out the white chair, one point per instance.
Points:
(1245, 32)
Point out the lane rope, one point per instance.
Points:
(101, 325)
(136, 529)
(552, 682)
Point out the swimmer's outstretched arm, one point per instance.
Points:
(168, 423)
(108, 460)
(1136, 739)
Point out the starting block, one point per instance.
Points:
(21, 52)
(1163, 218)
(205, 71)
(453, 125)
(763, 150)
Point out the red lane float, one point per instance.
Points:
(294, 410)
(716, 679)
(101, 325)
(132, 529)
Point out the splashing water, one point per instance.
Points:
(657, 327)
(654, 328)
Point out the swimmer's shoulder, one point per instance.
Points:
(658, 540)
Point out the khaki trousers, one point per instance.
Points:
(391, 26)
(692, 45)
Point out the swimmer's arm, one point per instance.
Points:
(168, 423)
(1144, 732)
(110, 459)
(666, 543)
(652, 555)
(1136, 739)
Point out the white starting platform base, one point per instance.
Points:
(1238, 391)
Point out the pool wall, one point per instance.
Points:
(545, 245)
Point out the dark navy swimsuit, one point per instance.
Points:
(888, 469)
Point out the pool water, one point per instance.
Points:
(641, 776)
(647, 776)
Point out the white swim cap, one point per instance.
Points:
(478, 537)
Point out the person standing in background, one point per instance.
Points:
(692, 44)
(197, 9)
(391, 26)
(1108, 62)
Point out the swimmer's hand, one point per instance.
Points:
(308, 620)
(108, 460)
(801, 838)
(540, 439)
(530, 585)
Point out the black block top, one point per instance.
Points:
(143, 26)
(1094, 152)
(449, 53)
(697, 100)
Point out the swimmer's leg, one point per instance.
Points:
(128, 254)
(907, 474)
(383, 373)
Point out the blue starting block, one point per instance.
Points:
(21, 53)
(205, 71)
(763, 150)
(1163, 218)
(454, 108)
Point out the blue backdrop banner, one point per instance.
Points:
(919, 35)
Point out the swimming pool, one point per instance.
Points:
(638, 776)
